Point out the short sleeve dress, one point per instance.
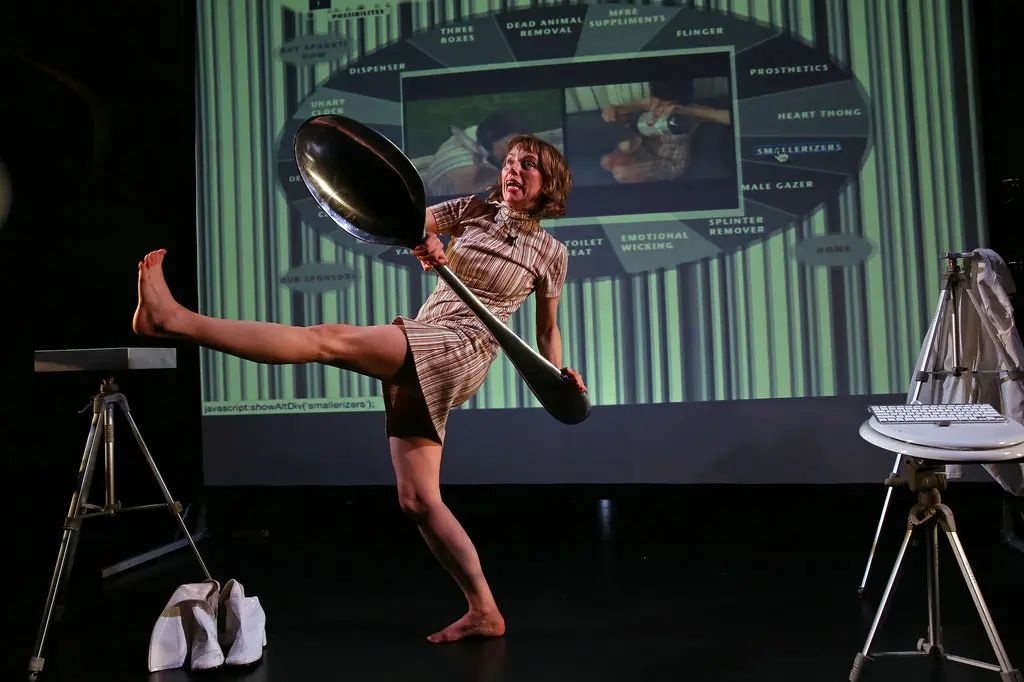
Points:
(502, 256)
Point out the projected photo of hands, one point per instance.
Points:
(666, 144)
(651, 131)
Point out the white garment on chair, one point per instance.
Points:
(991, 288)
(988, 288)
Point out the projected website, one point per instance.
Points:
(745, 221)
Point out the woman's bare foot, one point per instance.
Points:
(157, 308)
(473, 624)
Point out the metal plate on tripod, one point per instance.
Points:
(104, 359)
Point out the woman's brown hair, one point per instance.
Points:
(557, 180)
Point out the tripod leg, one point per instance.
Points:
(955, 302)
(172, 506)
(934, 643)
(108, 456)
(68, 542)
(878, 530)
(1008, 673)
(924, 367)
(862, 657)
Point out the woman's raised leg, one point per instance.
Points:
(377, 351)
(417, 463)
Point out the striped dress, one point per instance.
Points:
(502, 256)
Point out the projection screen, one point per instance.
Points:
(733, 304)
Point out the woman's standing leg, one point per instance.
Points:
(417, 463)
(376, 351)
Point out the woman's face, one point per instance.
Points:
(521, 180)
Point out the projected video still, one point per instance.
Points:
(663, 143)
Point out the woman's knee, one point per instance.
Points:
(377, 351)
(417, 506)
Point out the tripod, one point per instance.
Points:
(103, 404)
(945, 325)
(928, 479)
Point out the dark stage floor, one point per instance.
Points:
(654, 583)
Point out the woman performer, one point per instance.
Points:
(431, 363)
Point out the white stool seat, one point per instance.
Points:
(954, 435)
(952, 455)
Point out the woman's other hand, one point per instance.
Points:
(574, 377)
(430, 252)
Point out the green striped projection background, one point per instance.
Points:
(750, 323)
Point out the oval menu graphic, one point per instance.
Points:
(689, 133)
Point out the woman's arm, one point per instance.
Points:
(430, 251)
(613, 112)
(448, 217)
(549, 338)
(430, 224)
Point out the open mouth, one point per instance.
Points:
(512, 184)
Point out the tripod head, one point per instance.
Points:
(926, 478)
(922, 476)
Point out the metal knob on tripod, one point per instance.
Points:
(101, 428)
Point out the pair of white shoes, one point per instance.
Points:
(188, 627)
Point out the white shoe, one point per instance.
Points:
(206, 651)
(245, 625)
(168, 645)
(188, 621)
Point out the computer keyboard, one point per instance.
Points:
(970, 413)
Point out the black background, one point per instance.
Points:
(99, 138)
